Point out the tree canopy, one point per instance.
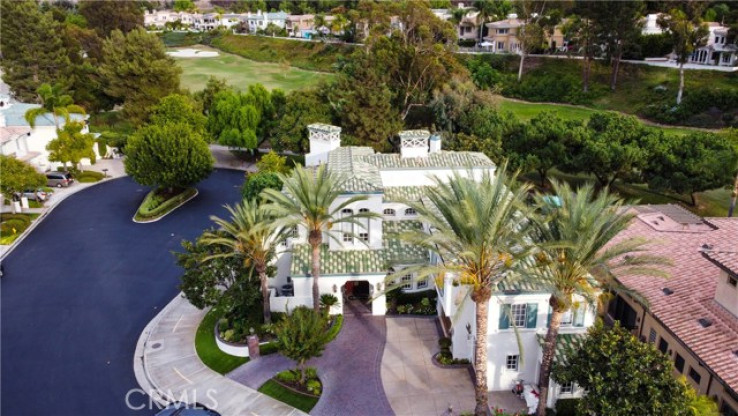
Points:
(622, 376)
(138, 71)
(301, 336)
(32, 50)
(178, 108)
(238, 119)
(16, 176)
(171, 156)
(106, 16)
(71, 145)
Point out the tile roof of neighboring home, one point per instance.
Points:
(9, 133)
(507, 23)
(347, 262)
(692, 286)
(15, 115)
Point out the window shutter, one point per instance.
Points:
(504, 316)
(548, 320)
(532, 312)
(579, 316)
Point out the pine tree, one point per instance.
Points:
(107, 16)
(32, 51)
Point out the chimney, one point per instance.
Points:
(323, 139)
(435, 143)
(414, 143)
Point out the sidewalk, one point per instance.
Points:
(167, 368)
(115, 169)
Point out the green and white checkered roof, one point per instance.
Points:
(436, 160)
(403, 193)
(357, 262)
(360, 176)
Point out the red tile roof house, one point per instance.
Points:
(692, 316)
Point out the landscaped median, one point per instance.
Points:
(157, 204)
(13, 225)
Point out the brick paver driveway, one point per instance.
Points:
(414, 385)
(349, 369)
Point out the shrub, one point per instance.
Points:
(335, 328)
(313, 386)
(268, 348)
(444, 342)
(155, 205)
(467, 43)
(311, 373)
(567, 407)
(289, 376)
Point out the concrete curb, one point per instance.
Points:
(139, 358)
(169, 212)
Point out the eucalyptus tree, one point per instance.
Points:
(478, 229)
(250, 234)
(576, 258)
(688, 35)
(312, 199)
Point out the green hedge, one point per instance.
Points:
(567, 407)
(207, 349)
(87, 176)
(336, 328)
(153, 206)
(11, 222)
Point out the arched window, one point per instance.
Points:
(410, 211)
(389, 211)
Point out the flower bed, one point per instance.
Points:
(155, 205)
(445, 359)
(286, 387)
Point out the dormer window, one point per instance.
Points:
(410, 212)
(389, 212)
(732, 281)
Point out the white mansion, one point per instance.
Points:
(387, 180)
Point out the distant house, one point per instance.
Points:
(692, 317)
(651, 25)
(503, 36)
(717, 51)
(468, 27)
(300, 26)
(19, 140)
(160, 18)
(259, 21)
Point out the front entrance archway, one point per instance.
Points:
(357, 297)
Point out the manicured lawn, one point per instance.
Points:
(13, 225)
(240, 72)
(713, 203)
(526, 111)
(208, 350)
(275, 390)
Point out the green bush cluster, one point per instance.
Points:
(236, 329)
(155, 206)
(312, 386)
(467, 43)
(445, 357)
(414, 303)
(705, 107)
(567, 407)
(87, 176)
(335, 327)
(13, 222)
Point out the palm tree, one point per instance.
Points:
(310, 199)
(576, 257)
(251, 234)
(53, 101)
(478, 230)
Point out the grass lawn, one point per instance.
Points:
(208, 350)
(275, 390)
(14, 225)
(240, 72)
(526, 111)
(713, 203)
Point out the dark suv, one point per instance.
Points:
(59, 179)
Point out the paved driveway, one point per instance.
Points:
(80, 289)
(414, 385)
(349, 369)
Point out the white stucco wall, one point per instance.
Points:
(303, 288)
(373, 204)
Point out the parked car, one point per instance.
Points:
(185, 409)
(59, 179)
(32, 194)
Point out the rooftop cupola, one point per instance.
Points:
(323, 138)
(414, 143)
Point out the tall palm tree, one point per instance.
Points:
(478, 231)
(577, 258)
(310, 199)
(54, 101)
(251, 234)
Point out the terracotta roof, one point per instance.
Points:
(9, 133)
(727, 260)
(693, 282)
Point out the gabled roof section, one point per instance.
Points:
(361, 177)
(726, 260)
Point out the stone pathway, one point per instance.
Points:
(349, 369)
(414, 385)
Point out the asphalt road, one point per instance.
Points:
(79, 290)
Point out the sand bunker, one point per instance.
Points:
(192, 53)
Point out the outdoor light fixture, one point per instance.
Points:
(335, 289)
(379, 286)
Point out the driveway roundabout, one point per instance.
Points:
(79, 290)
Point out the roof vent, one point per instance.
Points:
(707, 246)
(705, 322)
(735, 353)
(667, 291)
